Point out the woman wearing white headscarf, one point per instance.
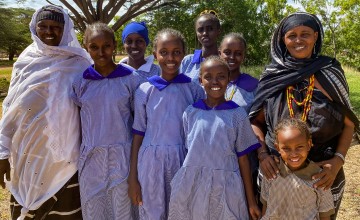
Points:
(40, 129)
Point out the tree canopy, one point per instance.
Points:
(255, 19)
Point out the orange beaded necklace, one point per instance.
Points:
(306, 102)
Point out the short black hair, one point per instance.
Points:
(171, 32)
(98, 27)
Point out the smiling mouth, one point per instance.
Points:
(295, 160)
(49, 38)
(135, 52)
(299, 47)
(170, 65)
(215, 88)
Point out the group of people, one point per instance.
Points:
(83, 137)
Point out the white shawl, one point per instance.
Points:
(40, 128)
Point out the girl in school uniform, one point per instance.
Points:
(158, 144)
(135, 38)
(207, 28)
(215, 179)
(242, 87)
(104, 94)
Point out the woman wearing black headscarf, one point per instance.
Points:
(301, 83)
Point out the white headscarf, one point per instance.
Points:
(40, 128)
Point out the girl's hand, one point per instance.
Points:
(255, 212)
(328, 174)
(135, 192)
(268, 166)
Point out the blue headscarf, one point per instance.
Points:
(136, 28)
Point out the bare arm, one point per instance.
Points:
(332, 166)
(267, 163)
(254, 210)
(134, 185)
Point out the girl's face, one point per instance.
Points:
(207, 31)
(50, 32)
(300, 41)
(233, 51)
(101, 46)
(215, 78)
(135, 46)
(293, 147)
(169, 53)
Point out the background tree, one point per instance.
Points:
(85, 12)
(14, 30)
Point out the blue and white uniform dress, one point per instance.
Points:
(159, 106)
(209, 184)
(242, 90)
(146, 70)
(106, 120)
(190, 65)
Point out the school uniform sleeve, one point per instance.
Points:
(246, 141)
(134, 82)
(140, 116)
(185, 63)
(186, 124)
(197, 91)
(265, 186)
(326, 206)
(76, 92)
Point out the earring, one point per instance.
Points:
(314, 48)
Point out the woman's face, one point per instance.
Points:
(135, 46)
(300, 41)
(50, 32)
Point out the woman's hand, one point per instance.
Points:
(134, 192)
(4, 169)
(328, 174)
(268, 166)
(255, 212)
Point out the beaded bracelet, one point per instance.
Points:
(340, 155)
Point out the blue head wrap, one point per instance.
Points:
(136, 28)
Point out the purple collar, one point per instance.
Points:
(223, 106)
(119, 71)
(197, 58)
(246, 82)
(161, 83)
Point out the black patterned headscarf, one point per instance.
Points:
(285, 70)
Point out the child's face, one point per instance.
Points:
(50, 32)
(214, 78)
(169, 53)
(101, 46)
(293, 147)
(135, 46)
(233, 51)
(207, 31)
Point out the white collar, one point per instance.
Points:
(146, 67)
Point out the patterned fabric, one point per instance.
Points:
(57, 207)
(190, 65)
(210, 186)
(106, 107)
(158, 116)
(292, 196)
(242, 91)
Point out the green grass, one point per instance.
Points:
(353, 78)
